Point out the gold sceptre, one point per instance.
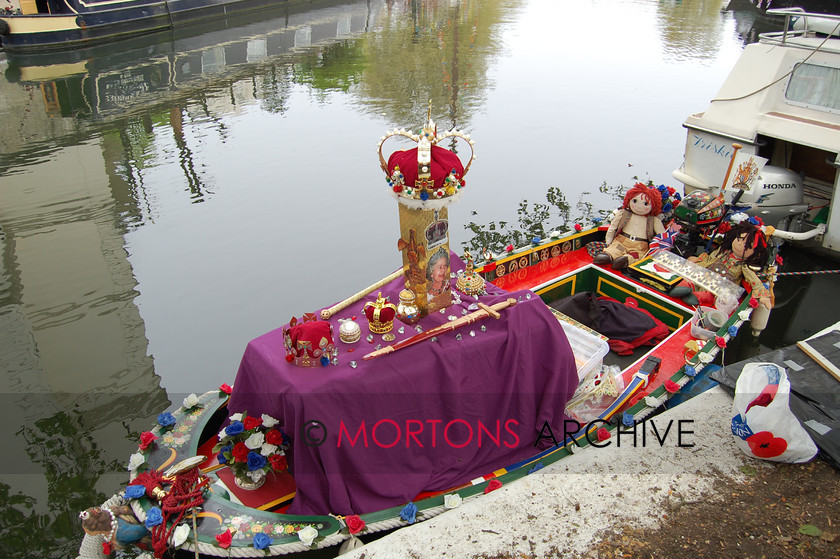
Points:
(483, 312)
(327, 313)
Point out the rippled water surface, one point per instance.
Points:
(164, 202)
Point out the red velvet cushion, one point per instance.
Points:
(443, 161)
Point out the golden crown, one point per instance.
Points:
(434, 174)
(380, 315)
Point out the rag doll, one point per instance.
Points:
(744, 247)
(632, 227)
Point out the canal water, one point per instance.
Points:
(165, 200)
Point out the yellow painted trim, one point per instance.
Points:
(40, 24)
(210, 515)
(560, 283)
(500, 473)
(169, 460)
(635, 295)
(52, 72)
(276, 502)
(108, 3)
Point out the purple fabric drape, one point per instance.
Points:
(425, 418)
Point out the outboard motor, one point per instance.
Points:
(697, 215)
(778, 194)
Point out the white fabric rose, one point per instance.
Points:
(135, 461)
(268, 449)
(179, 536)
(451, 501)
(191, 401)
(269, 421)
(307, 534)
(255, 441)
(236, 417)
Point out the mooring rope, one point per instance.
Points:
(807, 273)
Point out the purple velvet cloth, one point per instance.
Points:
(425, 418)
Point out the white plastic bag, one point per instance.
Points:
(763, 425)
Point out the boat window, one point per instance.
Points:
(815, 86)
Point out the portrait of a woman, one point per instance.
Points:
(437, 272)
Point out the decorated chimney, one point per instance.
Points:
(425, 180)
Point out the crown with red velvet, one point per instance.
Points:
(427, 176)
(309, 342)
(380, 315)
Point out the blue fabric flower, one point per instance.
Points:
(221, 457)
(627, 419)
(597, 219)
(536, 240)
(153, 517)
(664, 195)
(262, 541)
(690, 371)
(667, 207)
(753, 220)
(134, 491)
(409, 513)
(256, 461)
(662, 188)
(166, 419)
(537, 466)
(234, 428)
(732, 330)
(677, 196)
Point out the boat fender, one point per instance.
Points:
(4, 27)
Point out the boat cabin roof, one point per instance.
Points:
(786, 86)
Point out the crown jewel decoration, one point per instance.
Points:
(309, 342)
(469, 282)
(427, 173)
(380, 315)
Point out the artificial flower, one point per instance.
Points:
(225, 388)
(720, 341)
(672, 386)
(255, 441)
(492, 485)
(134, 491)
(146, 439)
(268, 421)
(744, 314)
(166, 419)
(651, 402)
(578, 227)
(274, 437)
(179, 536)
(262, 541)
(268, 449)
(191, 401)
(690, 371)
(234, 428)
(249, 423)
(602, 434)
(223, 459)
(732, 330)
(256, 461)
(779, 260)
(705, 357)
(135, 461)
(535, 240)
(236, 417)
(278, 462)
(452, 501)
(509, 248)
(307, 534)
(409, 513)
(627, 419)
(753, 302)
(225, 539)
(240, 452)
(724, 227)
(153, 517)
(354, 523)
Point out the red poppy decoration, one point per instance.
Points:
(753, 302)
(603, 434)
(492, 485)
(225, 539)
(226, 388)
(672, 386)
(720, 341)
(764, 445)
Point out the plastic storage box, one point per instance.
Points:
(588, 346)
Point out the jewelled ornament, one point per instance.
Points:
(349, 332)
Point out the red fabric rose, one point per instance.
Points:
(578, 227)
(603, 434)
(753, 302)
(240, 452)
(492, 485)
(672, 386)
(251, 422)
(225, 539)
(724, 227)
(278, 462)
(509, 248)
(146, 438)
(354, 523)
(274, 437)
(227, 389)
(720, 341)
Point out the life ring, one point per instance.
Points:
(4, 27)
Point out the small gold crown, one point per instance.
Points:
(435, 173)
(469, 282)
(380, 315)
(309, 342)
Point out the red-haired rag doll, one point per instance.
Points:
(632, 227)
